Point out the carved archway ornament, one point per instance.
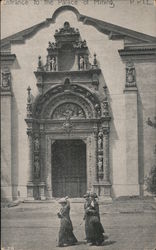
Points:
(86, 102)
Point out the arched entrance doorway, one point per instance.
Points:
(68, 123)
(69, 168)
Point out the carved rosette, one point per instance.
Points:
(130, 74)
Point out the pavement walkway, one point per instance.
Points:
(129, 224)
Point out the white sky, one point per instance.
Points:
(138, 15)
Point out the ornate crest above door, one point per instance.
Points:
(68, 56)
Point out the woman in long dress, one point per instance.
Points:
(86, 215)
(95, 229)
(66, 236)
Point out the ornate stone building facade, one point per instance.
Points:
(70, 120)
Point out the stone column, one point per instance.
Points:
(48, 168)
(6, 133)
(131, 124)
(89, 162)
(95, 152)
(30, 185)
(106, 154)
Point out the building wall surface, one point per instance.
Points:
(132, 141)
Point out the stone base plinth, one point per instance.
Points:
(103, 190)
(126, 190)
(36, 191)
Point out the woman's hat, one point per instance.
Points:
(62, 200)
(94, 195)
(86, 195)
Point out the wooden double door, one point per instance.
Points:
(69, 176)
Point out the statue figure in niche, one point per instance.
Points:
(100, 135)
(36, 144)
(53, 64)
(81, 63)
(37, 167)
(100, 164)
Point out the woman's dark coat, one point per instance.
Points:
(94, 227)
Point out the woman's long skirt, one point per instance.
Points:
(95, 230)
(66, 235)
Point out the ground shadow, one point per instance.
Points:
(109, 242)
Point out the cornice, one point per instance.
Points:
(7, 57)
(113, 31)
(138, 53)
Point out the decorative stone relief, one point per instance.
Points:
(80, 44)
(51, 63)
(130, 74)
(68, 109)
(67, 125)
(36, 151)
(52, 46)
(37, 166)
(36, 144)
(100, 141)
(29, 103)
(6, 80)
(100, 166)
(75, 109)
(81, 63)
